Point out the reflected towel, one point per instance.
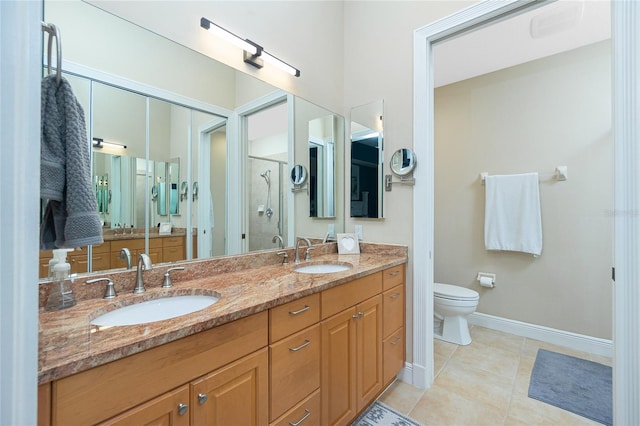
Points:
(512, 219)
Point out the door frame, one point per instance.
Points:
(626, 130)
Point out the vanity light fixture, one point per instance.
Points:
(253, 53)
(100, 143)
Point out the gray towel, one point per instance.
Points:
(71, 217)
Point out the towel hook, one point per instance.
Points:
(54, 32)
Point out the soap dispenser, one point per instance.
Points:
(58, 256)
(61, 295)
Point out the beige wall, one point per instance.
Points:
(533, 117)
(378, 45)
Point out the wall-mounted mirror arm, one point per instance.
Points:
(388, 181)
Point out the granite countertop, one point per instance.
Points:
(69, 344)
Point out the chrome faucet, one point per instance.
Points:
(279, 239)
(307, 256)
(125, 254)
(144, 262)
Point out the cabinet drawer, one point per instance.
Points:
(172, 241)
(101, 261)
(173, 254)
(393, 309)
(392, 277)
(130, 243)
(155, 243)
(295, 369)
(393, 355)
(293, 316)
(306, 413)
(339, 298)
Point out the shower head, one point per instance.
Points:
(266, 175)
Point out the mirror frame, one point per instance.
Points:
(399, 156)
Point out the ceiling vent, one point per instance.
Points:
(562, 17)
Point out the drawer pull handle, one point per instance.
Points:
(394, 273)
(305, 344)
(394, 296)
(182, 409)
(202, 398)
(299, 311)
(307, 413)
(355, 317)
(360, 314)
(396, 340)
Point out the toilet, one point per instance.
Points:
(451, 305)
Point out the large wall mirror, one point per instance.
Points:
(367, 155)
(159, 159)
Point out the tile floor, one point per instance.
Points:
(484, 383)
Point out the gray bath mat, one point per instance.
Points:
(573, 384)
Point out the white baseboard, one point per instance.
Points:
(567, 339)
(406, 374)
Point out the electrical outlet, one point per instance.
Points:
(331, 230)
(358, 231)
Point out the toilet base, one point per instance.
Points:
(455, 329)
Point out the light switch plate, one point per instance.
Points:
(358, 231)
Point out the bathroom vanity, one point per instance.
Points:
(280, 347)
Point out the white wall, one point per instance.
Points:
(532, 117)
(306, 34)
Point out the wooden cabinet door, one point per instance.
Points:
(369, 351)
(236, 394)
(170, 409)
(338, 381)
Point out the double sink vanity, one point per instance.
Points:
(240, 340)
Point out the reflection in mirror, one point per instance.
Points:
(209, 185)
(161, 187)
(131, 175)
(298, 175)
(366, 160)
(403, 161)
(268, 152)
(174, 180)
(322, 166)
(120, 117)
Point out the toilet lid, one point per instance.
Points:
(448, 291)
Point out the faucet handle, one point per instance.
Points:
(285, 257)
(307, 254)
(167, 278)
(110, 292)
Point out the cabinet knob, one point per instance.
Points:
(360, 314)
(202, 398)
(182, 409)
(355, 317)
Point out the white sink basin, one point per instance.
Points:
(155, 310)
(322, 268)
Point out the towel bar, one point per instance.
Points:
(559, 174)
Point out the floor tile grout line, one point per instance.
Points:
(515, 380)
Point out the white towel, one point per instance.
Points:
(512, 219)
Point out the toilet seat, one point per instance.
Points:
(454, 292)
